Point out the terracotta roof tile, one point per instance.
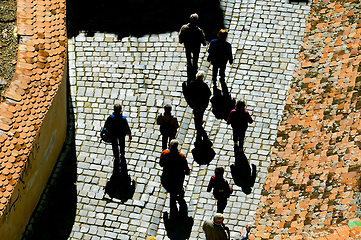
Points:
(317, 153)
(20, 120)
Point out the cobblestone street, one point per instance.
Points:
(143, 74)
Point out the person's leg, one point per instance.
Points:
(241, 137)
(173, 203)
(115, 147)
(198, 118)
(164, 141)
(221, 205)
(121, 141)
(116, 162)
(225, 92)
(195, 59)
(171, 137)
(235, 138)
(191, 75)
(189, 56)
(214, 75)
(222, 74)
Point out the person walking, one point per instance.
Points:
(175, 167)
(239, 118)
(118, 129)
(168, 126)
(219, 53)
(216, 230)
(192, 36)
(199, 93)
(221, 189)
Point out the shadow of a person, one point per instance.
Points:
(222, 102)
(203, 152)
(242, 173)
(120, 185)
(179, 224)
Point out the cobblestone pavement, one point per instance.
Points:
(145, 73)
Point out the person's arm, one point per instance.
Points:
(230, 189)
(250, 119)
(210, 52)
(180, 35)
(210, 185)
(158, 120)
(176, 124)
(186, 167)
(203, 38)
(161, 159)
(227, 231)
(127, 129)
(229, 119)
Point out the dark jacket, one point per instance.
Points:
(220, 186)
(175, 167)
(199, 94)
(168, 124)
(220, 52)
(239, 119)
(192, 36)
(118, 125)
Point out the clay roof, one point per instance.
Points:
(314, 173)
(39, 72)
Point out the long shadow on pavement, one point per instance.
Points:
(141, 17)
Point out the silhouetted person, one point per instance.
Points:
(118, 128)
(216, 230)
(168, 126)
(192, 36)
(199, 93)
(239, 118)
(219, 53)
(175, 167)
(221, 189)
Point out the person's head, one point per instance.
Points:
(167, 108)
(200, 76)
(193, 18)
(117, 108)
(240, 104)
(218, 218)
(219, 172)
(222, 34)
(174, 144)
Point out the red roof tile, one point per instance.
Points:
(315, 162)
(20, 115)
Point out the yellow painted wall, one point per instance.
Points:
(38, 168)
